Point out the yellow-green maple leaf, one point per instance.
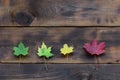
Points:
(66, 49)
(44, 51)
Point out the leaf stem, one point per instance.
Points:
(20, 62)
(96, 62)
(45, 62)
(67, 57)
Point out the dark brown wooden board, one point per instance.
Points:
(59, 12)
(80, 65)
(59, 72)
(56, 37)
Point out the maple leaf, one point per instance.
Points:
(66, 49)
(44, 51)
(94, 48)
(20, 50)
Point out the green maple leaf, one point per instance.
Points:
(20, 50)
(44, 51)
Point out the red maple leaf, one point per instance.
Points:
(94, 48)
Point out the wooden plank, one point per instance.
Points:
(56, 37)
(59, 72)
(60, 12)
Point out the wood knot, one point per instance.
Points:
(23, 18)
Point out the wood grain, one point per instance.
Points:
(59, 72)
(59, 12)
(56, 37)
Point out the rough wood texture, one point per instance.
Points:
(60, 12)
(80, 65)
(59, 72)
(56, 37)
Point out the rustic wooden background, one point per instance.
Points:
(53, 15)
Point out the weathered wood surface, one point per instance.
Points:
(59, 72)
(56, 37)
(60, 12)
